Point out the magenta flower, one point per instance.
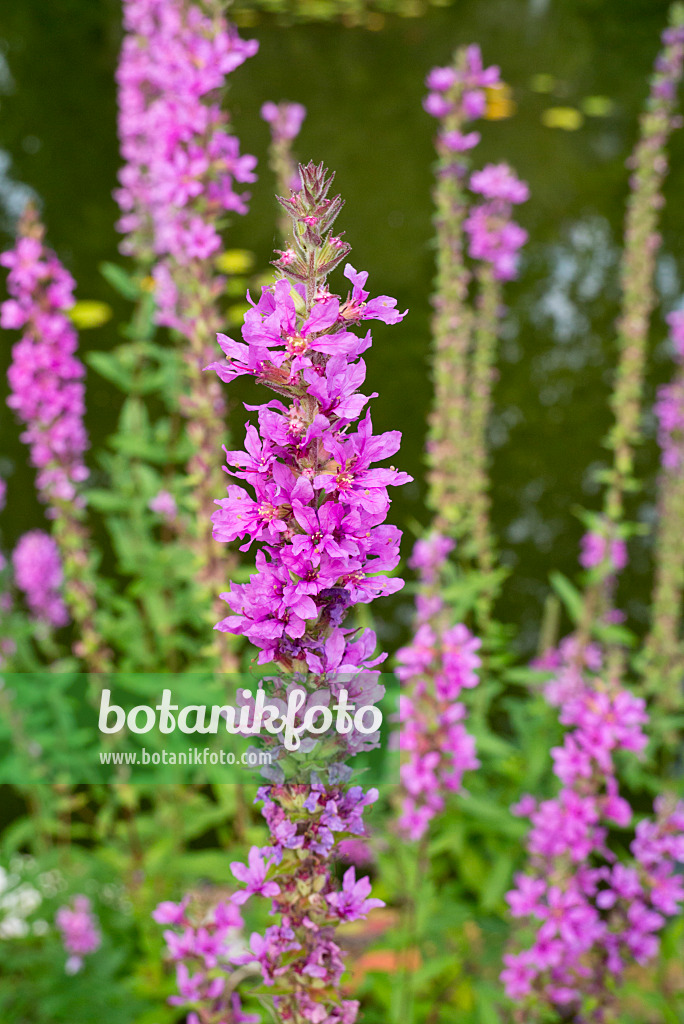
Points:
(45, 374)
(204, 951)
(254, 876)
(182, 165)
(285, 119)
(80, 932)
(497, 181)
(434, 668)
(494, 237)
(470, 80)
(170, 913)
(596, 548)
(38, 574)
(164, 504)
(351, 903)
(600, 913)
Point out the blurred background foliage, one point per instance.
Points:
(577, 71)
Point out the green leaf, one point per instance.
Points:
(107, 501)
(120, 281)
(569, 595)
(109, 366)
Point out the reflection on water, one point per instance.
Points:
(14, 195)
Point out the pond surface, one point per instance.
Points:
(363, 90)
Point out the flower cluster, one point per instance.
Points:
(493, 235)
(460, 93)
(592, 911)
(592, 925)
(80, 932)
(203, 942)
(182, 163)
(38, 574)
(300, 954)
(7, 644)
(597, 549)
(163, 504)
(285, 121)
(438, 664)
(317, 506)
(465, 339)
(45, 375)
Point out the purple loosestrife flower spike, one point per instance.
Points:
(448, 488)
(316, 506)
(285, 121)
(593, 913)
(441, 660)
(494, 239)
(439, 663)
(664, 652)
(45, 375)
(38, 574)
(204, 942)
(47, 395)
(649, 165)
(181, 162)
(465, 342)
(182, 176)
(79, 930)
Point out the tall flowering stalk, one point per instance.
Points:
(441, 660)
(439, 663)
(47, 396)
(649, 165)
(604, 547)
(664, 652)
(464, 340)
(593, 911)
(317, 510)
(182, 166)
(494, 240)
(38, 574)
(285, 121)
(203, 942)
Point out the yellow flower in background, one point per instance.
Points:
(569, 119)
(234, 261)
(90, 313)
(598, 106)
(500, 102)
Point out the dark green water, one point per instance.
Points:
(363, 90)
